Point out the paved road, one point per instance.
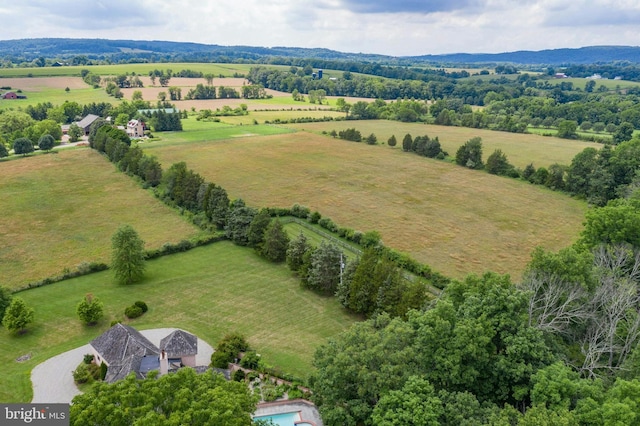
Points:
(53, 380)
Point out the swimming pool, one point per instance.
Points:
(283, 419)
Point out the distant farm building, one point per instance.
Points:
(135, 129)
(560, 75)
(85, 123)
(13, 95)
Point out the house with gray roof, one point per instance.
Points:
(86, 122)
(124, 350)
(180, 347)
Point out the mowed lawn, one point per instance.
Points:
(61, 209)
(521, 149)
(454, 219)
(209, 291)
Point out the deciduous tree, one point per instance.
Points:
(90, 310)
(23, 146)
(184, 397)
(17, 315)
(5, 301)
(46, 142)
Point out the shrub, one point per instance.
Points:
(82, 374)
(103, 370)
(300, 211)
(238, 376)
(114, 322)
(250, 360)
(315, 217)
(294, 393)
(133, 312)
(88, 359)
(142, 306)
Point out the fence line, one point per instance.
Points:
(324, 234)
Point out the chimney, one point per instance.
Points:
(164, 363)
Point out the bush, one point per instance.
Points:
(142, 306)
(238, 376)
(250, 360)
(315, 217)
(294, 393)
(82, 374)
(103, 370)
(133, 312)
(88, 359)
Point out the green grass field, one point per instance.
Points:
(59, 210)
(208, 131)
(208, 291)
(454, 219)
(521, 149)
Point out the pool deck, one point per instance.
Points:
(308, 411)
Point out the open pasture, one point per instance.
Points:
(521, 149)
(454, 219)
(59, 210)
(51, 89)
(209, 291)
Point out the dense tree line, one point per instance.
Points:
(490, 352)
(184, 397)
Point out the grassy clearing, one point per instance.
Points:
(454, 219)
(264, 116)
(59, 210)
(521, 149)
(209, 131)
(208, 291)
(294, 229)
(609, 84)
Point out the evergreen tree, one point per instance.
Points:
(257, 228)
(296, 251)
(324, 274)
(407, 143)
(127, 258)
(276, 242)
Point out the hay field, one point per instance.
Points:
(59, 210)
(521, 149)
(456, 220)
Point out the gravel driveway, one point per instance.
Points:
(53, 382)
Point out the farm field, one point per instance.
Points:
(227, 70)
(52, 89)
(521, 149)
(209, 291)
(456, 220)
(59, 210)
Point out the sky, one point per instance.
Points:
(396, 27)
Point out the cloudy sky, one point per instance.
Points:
(394, 27)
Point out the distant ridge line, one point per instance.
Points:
(29, 49)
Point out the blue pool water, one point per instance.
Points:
(284, 419)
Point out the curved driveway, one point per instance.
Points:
(53, 380)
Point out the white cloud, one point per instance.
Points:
(403, 27)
